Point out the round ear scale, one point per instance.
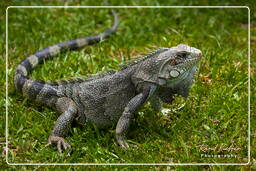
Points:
(174, 73)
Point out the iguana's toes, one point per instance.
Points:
(123, 144)
(121, 141)
(59, 141)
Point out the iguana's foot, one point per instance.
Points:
(123, 143)
(59, 141)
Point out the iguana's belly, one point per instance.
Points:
(103, 101)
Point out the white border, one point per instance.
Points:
(249, 112)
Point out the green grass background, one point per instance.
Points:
(215, 114)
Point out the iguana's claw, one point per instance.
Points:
(59, 141)
(123, 144)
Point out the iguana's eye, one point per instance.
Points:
(174, 73)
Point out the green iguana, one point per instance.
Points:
(108, 99)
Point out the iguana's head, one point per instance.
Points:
(168, 66)
(177, 64)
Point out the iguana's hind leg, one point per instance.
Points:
(63, 124)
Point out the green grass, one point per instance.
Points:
(216, 111)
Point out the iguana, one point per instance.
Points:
(113, 98)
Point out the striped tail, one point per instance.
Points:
(32, 88)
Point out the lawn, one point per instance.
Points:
(214, 120)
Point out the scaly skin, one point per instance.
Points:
(112, 98)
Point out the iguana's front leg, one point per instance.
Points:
(124, 121)
(63, 124)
